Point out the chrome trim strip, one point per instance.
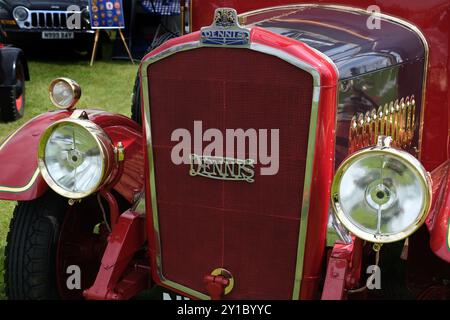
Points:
(29, 184)
(309, 161)
(152, 182)
(166, 53)
(306, 194)
(290, 59)
(336, 231)
(33, 178)
(448, 235)
(190, 17)
(281, 7)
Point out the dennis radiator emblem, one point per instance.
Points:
(222, 168)
(225, 30)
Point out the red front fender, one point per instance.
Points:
(438, 221)
(19, 176)
(20, 179)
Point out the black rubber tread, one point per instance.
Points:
(31, 248)
(136, 114)
(8, 107)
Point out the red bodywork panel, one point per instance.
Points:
(322, 169)
(438, 221)
(20, 179)
(234, 218)
(127, 238)
(431, 17)
(343, 270)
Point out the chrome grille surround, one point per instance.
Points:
(47, 19)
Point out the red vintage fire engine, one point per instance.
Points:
(358, 98)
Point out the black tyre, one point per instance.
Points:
(12, 98)
(31, 248)
(136, 101)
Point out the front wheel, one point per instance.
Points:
(31, 247)
(47, 237)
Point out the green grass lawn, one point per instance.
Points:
(107, 85)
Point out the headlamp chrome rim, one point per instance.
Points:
(103, 143)
(16, 9)
(406, 158)
(76, 92)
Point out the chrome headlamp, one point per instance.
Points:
(64, 93)
(20, 13)
(381, 194)
(75, 157)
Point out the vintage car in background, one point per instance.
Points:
(13, 74)
(26, 21)
(356, 102)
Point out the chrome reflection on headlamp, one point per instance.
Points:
(75, 157)
(381, 194)
(64, 93)
(20, 13)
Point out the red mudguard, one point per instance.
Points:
(20, 179)
(438, 221)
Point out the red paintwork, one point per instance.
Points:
(432, 17)
(19, 157)
(320, 190)
(19, 102)
(116, 280)
(78, 245)
(343, 269)
(215, 286)
(19, 154)
(113, 207)
(322, 171)
(337, 270)
(230, 216)
(132, 178)
(438, 221)
(127, 238)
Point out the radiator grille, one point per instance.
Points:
(48, 19)
(251, 229)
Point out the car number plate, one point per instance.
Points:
(57, 35)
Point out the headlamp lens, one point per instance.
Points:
(64, 93)
(381, 196)
(75, 158)
(20, 13)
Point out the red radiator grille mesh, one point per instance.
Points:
(251, 229)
